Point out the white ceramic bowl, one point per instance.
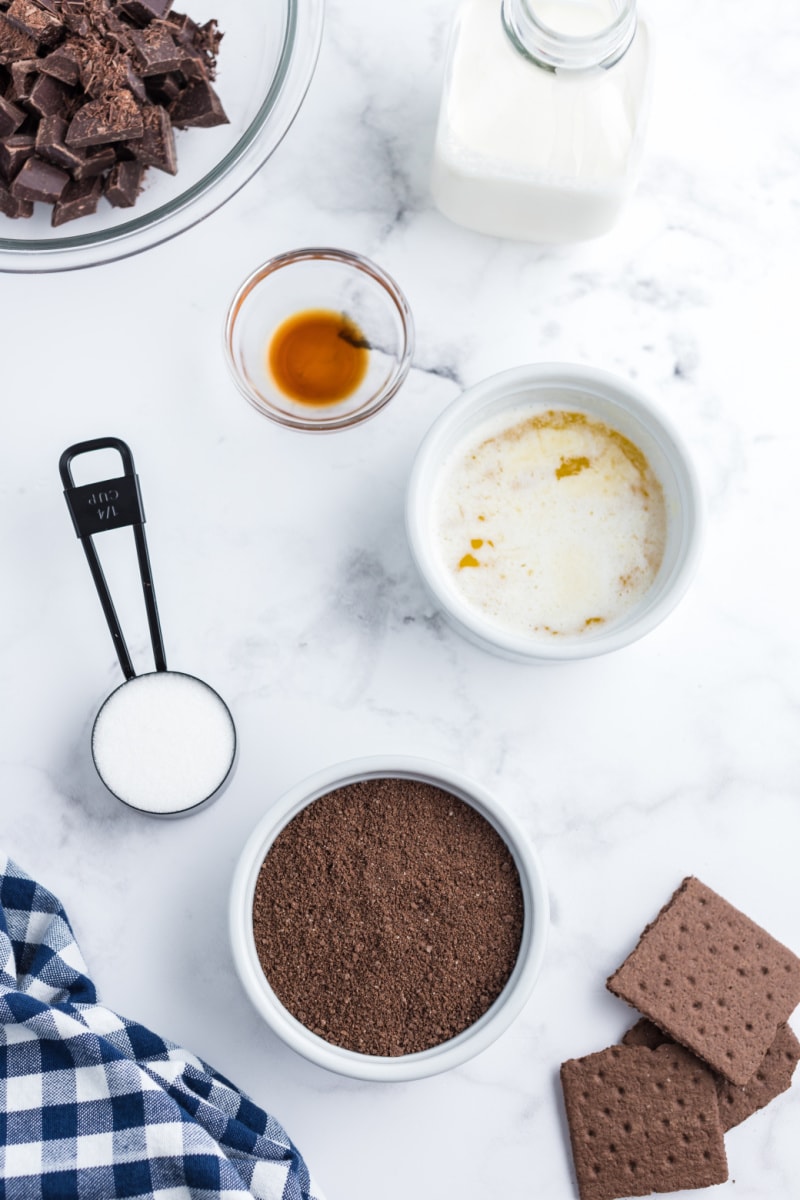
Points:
(621, 406)
(448, 1054)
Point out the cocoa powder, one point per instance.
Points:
(388, 916)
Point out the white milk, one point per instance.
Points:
(549, 522)
(536, 154)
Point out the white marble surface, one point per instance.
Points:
(284, 580)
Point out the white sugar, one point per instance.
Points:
(163, 742)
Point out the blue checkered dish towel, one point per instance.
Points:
(95, 1107)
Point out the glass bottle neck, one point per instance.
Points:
(570, 34)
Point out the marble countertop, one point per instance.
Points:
(285, 580)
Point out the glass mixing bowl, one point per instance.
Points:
(266, 61)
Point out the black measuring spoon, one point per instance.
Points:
(163, 742)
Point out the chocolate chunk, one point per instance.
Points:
(155, 52)
(193, 65)
(114, 118)
(14, 44)
(135, 84)
(163, 89)
(62, 63)
(51, 147)
(49, 97)
(44, 27)
(39, 180)
(12, 205)
(23, 77)
(11, 117)
(144, 11)
(77, 200)
(96, 162)
(13, 153)
(74, 16)
(198, 106)
(98, 65)
(124, 184)
(184, 29)
(156, 147)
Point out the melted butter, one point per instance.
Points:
(318, 357)
(562, 513)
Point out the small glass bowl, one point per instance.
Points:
(303, 281)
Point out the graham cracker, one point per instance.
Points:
(736, 1104)
(711, 979)
(642, 1121)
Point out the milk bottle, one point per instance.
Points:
(542, 117)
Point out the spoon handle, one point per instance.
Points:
(112, 504)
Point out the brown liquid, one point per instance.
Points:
(318, 356)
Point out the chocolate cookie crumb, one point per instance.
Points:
(388, 916)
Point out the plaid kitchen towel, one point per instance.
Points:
(95, 1107)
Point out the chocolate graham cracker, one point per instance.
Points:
(642, 1121)
(736, 1104)
(711, 979)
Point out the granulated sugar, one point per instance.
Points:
(163, 742)
(388, 916)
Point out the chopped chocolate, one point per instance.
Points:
(90, 91)
(156, 147)
(197, 106)
(155, 52)
(77, 200)
(13, 153)
(42, 26)
(39, 180)
(12, 205)
(14, 44)
(49, 97)
(163, 89)
(23, 77)
(184, 29)
(51, 147)
(193, 64)
(74, 16)
(124, 184)
(144, 11)
(114, 118)
(96, 162)
(135, 84)
(62, 63)
(11, 117)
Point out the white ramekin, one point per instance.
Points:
(618, 404)
(449, 1054)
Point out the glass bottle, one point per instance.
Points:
(542, 117)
